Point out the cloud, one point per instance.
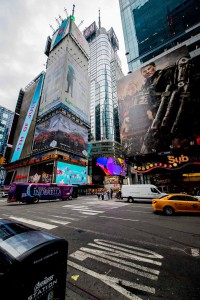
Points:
(24, 27)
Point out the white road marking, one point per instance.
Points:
(73, 219)
(34, 223)
(114, 282)
(89, 213)
(195, 252)
(56, 221)
(119, 218)
(119, 255)
(89, 210)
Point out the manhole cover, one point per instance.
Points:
(193, 251)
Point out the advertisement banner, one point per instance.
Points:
(41, 173)
(79, 38)
(53, 85)
(75, 96)
(70, 174)
(159, 105)
(60, 33)
(66, 84)
(59, 131)
(28, 120)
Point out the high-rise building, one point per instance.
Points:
(6, 118)
(159, 99)
(104, 71)
(152, 27)
(49, 139)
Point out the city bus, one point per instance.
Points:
(26, 192)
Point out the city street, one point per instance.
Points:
(119, 250)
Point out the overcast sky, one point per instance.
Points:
(24, 27)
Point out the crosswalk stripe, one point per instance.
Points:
(89, 210)
(34, 223)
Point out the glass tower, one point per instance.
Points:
(152, 27)
(104, 71)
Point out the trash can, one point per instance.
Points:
(33, 264)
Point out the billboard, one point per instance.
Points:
(66, 84)
(77, 35)
(75, 97)
(110, 166)
(60, 33)
(159, 105)
(28, 120)
(41, 173)
(59, 131)
(70, 174)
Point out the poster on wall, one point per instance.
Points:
(59, 131)
(156, 102)
(70, 174)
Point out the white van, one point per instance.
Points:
(145, 192)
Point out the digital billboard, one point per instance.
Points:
(70, 174)
(28, 120)
(41, 173)
(110, 166)
(159, 105)
(59, 131)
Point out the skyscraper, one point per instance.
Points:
(50, 134)
(104, 71)
(152, 27)
(6, 118)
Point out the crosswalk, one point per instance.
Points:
(50, 220)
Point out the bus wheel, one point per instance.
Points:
(70, 198)
(35, 200)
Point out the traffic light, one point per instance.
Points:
(2, 160)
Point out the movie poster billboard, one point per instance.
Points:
(70, 174)
(59, 131)
(159, 105)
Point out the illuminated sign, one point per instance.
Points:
(28, 120)
(70, 174)
(180, 159)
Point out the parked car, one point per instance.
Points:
(3, 194)
(173, 203)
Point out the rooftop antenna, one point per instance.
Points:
(65, 10)
(52, 28)
(80, 23)
(57, 21)
(99, 20)
(60, 18)
(73, 10)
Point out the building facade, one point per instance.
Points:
(152, 27)
(160, 95)
(52, 117)
(6, 118)
(104, 71)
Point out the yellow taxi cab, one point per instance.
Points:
(176, 203)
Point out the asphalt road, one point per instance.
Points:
(119, 250)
